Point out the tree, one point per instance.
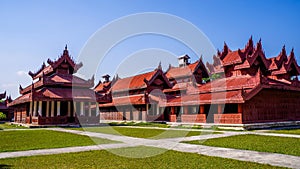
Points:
(2, 116)
(212, 77)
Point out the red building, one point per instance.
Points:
(56, 95)
(4, 108)
(239, 87)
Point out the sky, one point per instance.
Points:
(32, 31)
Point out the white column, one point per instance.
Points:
(58, 108)
(30, 108)
(97, 109)
(40, 108)
(82, 109)
(52, 108)
(75, 108)
(47, 109)
(34, 108)
(157, 109)
(69, 109)
(90, 110)
(147, 109)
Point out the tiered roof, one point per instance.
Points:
(186, 71)
(250, 56)
(57, 81)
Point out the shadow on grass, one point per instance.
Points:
(4, 166)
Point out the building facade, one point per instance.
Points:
(56, 95)
(239, 87)
(4, 100)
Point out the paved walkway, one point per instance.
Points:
(171, 144)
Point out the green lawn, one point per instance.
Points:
(282, 145)
(142, 124)
(144, 132)
(286, 131)
(105, 159)
(10, 126)
(41, 139)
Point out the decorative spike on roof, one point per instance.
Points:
(259, 45)
(249, 47)
(159, 66)
(225, 51)
(37, 72)
(3, 95)
(292, 53)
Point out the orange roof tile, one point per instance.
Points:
(126, 100)
(176, 72)
(133, 82)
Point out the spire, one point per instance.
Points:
(259, 45)
(66, 52)
(159, 66)
(292, 52)
(249, 46)
(283, 51)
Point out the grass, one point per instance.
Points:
(144, 132)
(42, 139)
(10, 126)
(105, 159)
(282, 145)
(286, 131)
(142, 124)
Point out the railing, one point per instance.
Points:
(193, 118)
(228, 118)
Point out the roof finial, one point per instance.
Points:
(159, 66)
(283, 51)
(66, 52)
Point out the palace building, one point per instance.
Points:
(240, 87)
(4, 108)
(56, 95)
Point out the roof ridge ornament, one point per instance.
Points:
(159, 66)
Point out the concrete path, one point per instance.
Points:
(60, 150)
(173, 144)
(170, 144)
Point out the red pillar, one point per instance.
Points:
(201, 109)
(220, 108)
(240, 108)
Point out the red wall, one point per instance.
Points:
(272, 105)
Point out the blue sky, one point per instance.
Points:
(33, 31)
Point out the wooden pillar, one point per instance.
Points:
(157, 109)
(220, 108)
(40, 108)
(82, 113)
(34, 108)
(90, 110)
(47, 108)
(240, 108)
(172, 110)
(69, 109)
(52, 108)
(58, 108)
(202, 109)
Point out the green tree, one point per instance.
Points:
(2, 116)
